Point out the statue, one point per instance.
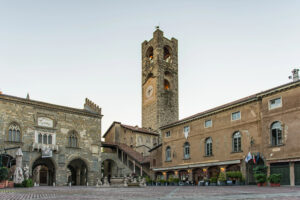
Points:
(125, 181)
(18, 174)
(143, 182)
(26, 172)
(106, 183)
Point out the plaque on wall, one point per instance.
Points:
(45, 122)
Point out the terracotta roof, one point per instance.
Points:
(138, 129)
(233, 104)
(155, 147)
(132, 128)
(129, 151)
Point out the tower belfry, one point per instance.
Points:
(159, 81)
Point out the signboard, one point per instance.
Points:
(45, 122)
(46, 152)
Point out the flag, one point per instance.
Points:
(257, 157)
(253, 157)
(248, 157)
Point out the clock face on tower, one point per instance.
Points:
(149, 91)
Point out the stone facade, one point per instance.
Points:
(72, 135)
(256, 134)
(159, 81)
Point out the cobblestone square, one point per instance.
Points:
(148, 193)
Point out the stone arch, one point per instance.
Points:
(167, 53)
(43, 171)
(149, 53)
(78, 171)
(110, 168)
(168, 80)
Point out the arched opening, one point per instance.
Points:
(250, 173)
(43, 171)
(159, 176)
(198, 175)
(170, 174)
(183, 175)
(167, 53)
(110, 169)
(213, 171)
(149, 53)
(78, 172)
(9, 162)
(166, 84)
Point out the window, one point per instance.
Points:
(14, 133)
(186, 150)
(40, 138)
(168, 133)
(168, 154)
(236, 116)
(73, 141)
(208, 147)
(208, 123)
(275, 103)
(236, 142)
(49, 139)
(276, 134)
(186, 129)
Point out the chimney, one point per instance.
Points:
(295, 76)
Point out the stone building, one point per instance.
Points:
(60, 144)
(159, 81)
(264, 124)
(126, 150)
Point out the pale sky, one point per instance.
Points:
(61, 51)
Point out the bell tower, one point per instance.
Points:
(159, 81)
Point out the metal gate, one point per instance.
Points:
(284, 170)
(297, 173)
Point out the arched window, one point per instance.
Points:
(14, 133)
(149, 53)
(276, 134)
(73, 140)
(168, 153)
(40, 138)
(49, 139)
(208, 147)
(167, 53)
(45, 139)
(186, 150)
(236, 142)
(166, 84)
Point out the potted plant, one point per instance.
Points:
(274, 180)
(260, 175)
(213, 181)
(3, 177)
(238, 177)
(206, 181)
(222, 179)
(176, 181)
(162, 182)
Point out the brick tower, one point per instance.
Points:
(159, 81)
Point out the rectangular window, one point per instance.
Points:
(236, 116)
(208, 123)
(168, 133)
(275, 103)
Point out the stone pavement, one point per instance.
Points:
(149, 193)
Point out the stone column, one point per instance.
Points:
(78, 176)
(292, 173)
(165, 175)
(122, 157)
(190, 171)
(141, 170)
(244, 169)
(134, 166)
(176, 174)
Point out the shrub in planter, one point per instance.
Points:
(27, 183)
(176, 181)
(260, 179)
(222, 178)
(274, 180)
(260, 174)
(206, 182)
(213, 181)
(3, 174)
